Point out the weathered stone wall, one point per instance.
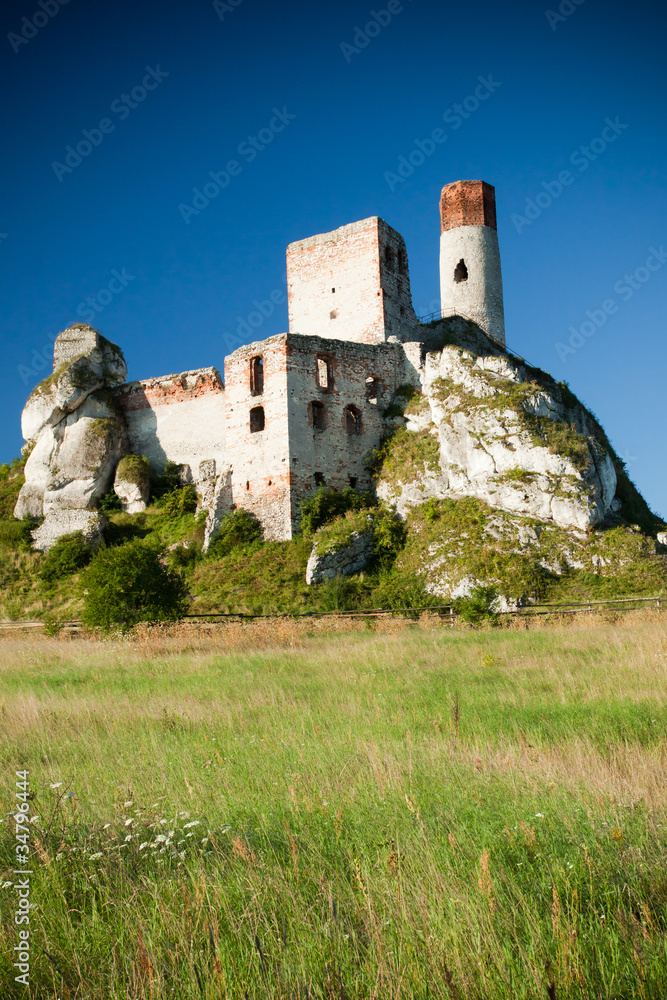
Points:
(177, 418)
(259, 456)
(362, 376)
(351, 284)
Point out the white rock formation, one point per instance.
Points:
(78, 436)
(343, 561)
(510, 437)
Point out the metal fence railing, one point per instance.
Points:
(445, 611)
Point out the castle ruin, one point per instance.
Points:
(294, 411)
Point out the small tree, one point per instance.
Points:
(129, 584)
(327, 503)
(69, 554)
(238, 528)
(478, 606)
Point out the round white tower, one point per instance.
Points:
(471, 283)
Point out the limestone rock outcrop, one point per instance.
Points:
(132, 483)
(77, 434)
(341, 548)
(507, 434)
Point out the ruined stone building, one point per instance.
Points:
(293, 411)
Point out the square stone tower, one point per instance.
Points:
(351, 284)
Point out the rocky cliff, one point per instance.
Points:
(519, 474)
(76, 434)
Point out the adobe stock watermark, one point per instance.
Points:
(625, 287)
(221, 8)
(565, 10)
(379, 19)
(245, 330)
(88, 309)
(122, 107)
(248, 149)
(454, 116)
(581, 158)
(22, 884)
(31, 26)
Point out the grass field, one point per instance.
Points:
(420, 813)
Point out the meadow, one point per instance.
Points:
(412, 812)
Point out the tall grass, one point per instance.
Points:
(420, 814)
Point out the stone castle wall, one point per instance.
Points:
(351, 284)
(177, 418)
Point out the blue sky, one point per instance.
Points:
(328, 109)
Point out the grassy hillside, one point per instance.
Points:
(431, 814)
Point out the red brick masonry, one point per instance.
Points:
(169, 389)
(467, 203)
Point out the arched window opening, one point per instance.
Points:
(461, 271)
(318, 415)
(352, 420)
(324, 373)
(257, 419)
(257, 375)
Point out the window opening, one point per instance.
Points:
(318, 479)
(352, 420)
(318, 415)
(461, 271)
(257, 375)
(257, 422)
(372, 389)
(353, 482)
(324, 379)
(389, 258)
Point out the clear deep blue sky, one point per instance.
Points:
(357, 113)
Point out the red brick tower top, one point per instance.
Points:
(467, 203)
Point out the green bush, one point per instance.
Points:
(11, 481)
(477, 607)
(342, 593)
(69, 554)
(182, 500)
(400, 589)
(110, 503)
(135, 469)
(390, 536)
(16, 534)
(129, 584)
(170, 479)
(327, 503)
(238, 528)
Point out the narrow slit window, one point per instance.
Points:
(372, 389)
(389, 258)
(257, 422)
(318, 415)
(257, 375)
(352, 420)
(461, 271)
(323, 373)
